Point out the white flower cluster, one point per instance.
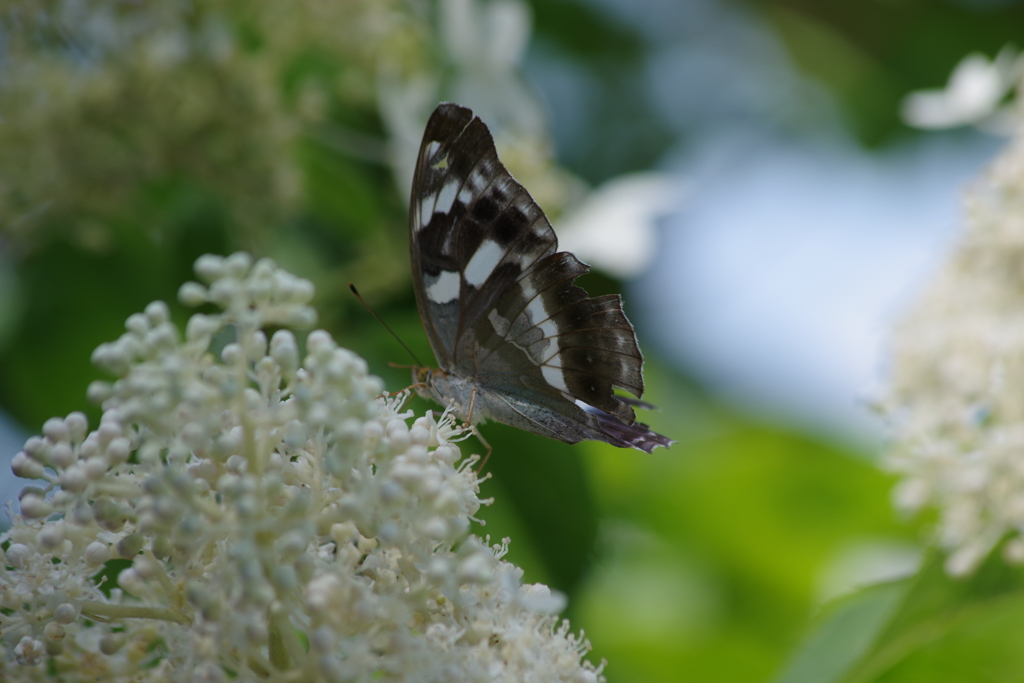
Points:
(258, 518)
(957, 398)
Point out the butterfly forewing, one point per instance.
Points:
(475, 230)
(510, 330)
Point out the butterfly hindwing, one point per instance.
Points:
(564, 343)
(514, 337)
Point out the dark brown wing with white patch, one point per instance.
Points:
(474, 229)
(498, 301)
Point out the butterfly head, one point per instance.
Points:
(421, 379)
(449, 390)
(424, 381)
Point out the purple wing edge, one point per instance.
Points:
(636, 435)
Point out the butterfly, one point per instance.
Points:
(516, 341)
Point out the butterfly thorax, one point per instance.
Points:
(448, 390)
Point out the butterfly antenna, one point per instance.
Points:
(363, 302)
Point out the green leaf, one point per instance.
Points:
(932, 627)
(845, 638)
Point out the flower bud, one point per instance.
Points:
(285, 351)
(77, 424)
(81, 514)
(17, 555)
(112, 642)
(95, 467)
(34, 506)
(231, 353)
(158, 313)
(73, 479)
(209, 267)
(96, 553)
(131, 582)
(109, 430)
(131, 545)
(61, 455)
(65, 613)
(98, 392)
(118, 450)
(55, 430)
(25, 467)
(51, 535)
(192, 294)
(54, 631)
(237, 264)
(257, 345)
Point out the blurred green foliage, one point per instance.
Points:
(925, 628)
(137, 136)
(870, 54)
(714, 552)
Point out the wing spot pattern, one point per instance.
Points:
(486, 209)
(545, 353)
(487, 256)
(510, 224)
(446, 196)
(425, 213)
(527, 289)
(535, 311)
(550, 329)
(500, 324)
(479, 178)
(554, 377)
(445, 288)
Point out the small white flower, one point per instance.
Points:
(615, 227)
(29, 651)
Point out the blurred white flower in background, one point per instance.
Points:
(957, 371)
(615, 227)
(973, 94)
(484, 43)
(778, 280)
(259, 516)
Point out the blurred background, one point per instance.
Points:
(737, 168)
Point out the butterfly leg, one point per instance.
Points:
(476, 432)
(490, 449)
(472, 402)
(408, 388)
